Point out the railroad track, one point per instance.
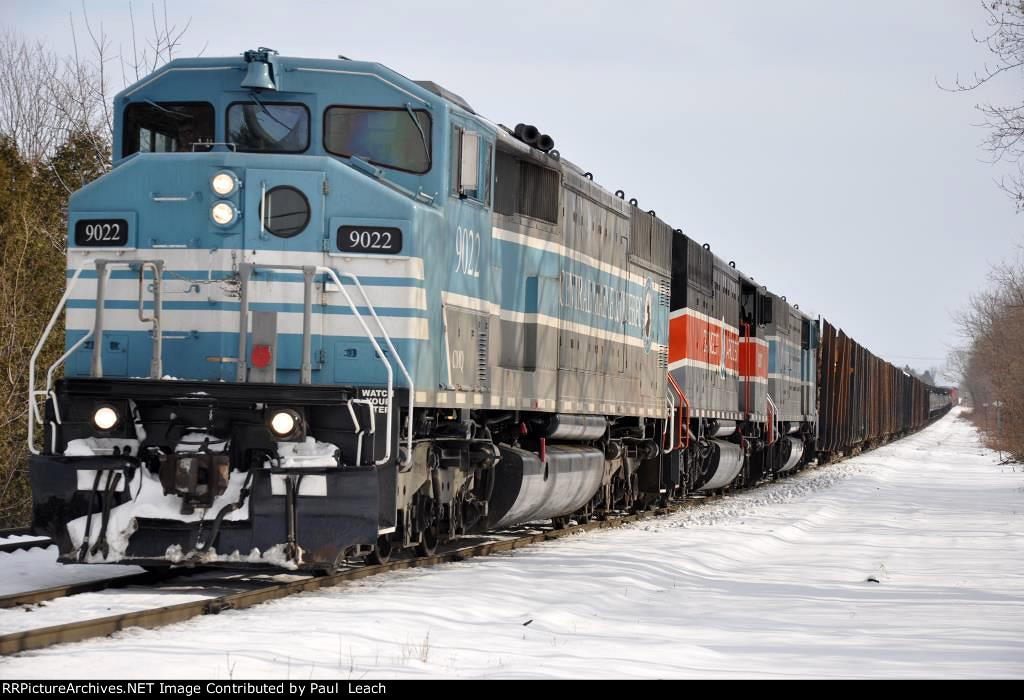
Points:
(20, 544)
(255, 592)
(67, 590)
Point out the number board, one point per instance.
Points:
(383, 240)
(101, 232)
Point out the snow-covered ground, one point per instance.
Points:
(31, 569)
(773, 583)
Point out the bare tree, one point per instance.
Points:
(27, 116)
(159, 48)
(989, 365)
(45, 99)
(1004, 38)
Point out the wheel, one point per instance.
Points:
(382, 551)
(427, 546)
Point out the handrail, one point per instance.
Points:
(102, 275)
(401, 365)
(156, 363)
(773, 418)
(33, 413)
(63, 358)
(684, 401)
(309, 272)
(245, 272)
(667, 432)
(380, 353)
(750, 377)
(102, 267)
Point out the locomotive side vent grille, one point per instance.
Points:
(665, 293)
(538, 192)
(663, 357)
(482, 348)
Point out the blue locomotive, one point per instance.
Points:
(319, 311)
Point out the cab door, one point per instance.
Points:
(467, 250)
(284, 225)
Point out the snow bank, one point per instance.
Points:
(774, 583)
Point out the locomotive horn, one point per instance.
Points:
(545, 143)
(528, 134)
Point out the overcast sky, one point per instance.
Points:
(806, 140)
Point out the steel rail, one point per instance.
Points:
(41, 595)
(15, 531)
(24, 545)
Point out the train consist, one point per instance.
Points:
(319, 311)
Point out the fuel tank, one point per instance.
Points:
(570, 427)
(796, 451)
(527, 489)
(727, 460)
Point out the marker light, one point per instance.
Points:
(223, 214)
(223, 183)
(283, 423)
(105, 418)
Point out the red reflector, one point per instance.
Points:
(261, 356)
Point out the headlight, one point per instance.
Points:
(223, 213)
(283, 423)
(224, 183)
(105, 418)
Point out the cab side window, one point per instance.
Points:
(167, 127)
(471, 158)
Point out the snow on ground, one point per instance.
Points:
(10, 539)
(31, 569)
(773, 583)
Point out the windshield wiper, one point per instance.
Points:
(268, 112)
(183, 116)
(423, 137)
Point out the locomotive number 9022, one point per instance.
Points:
(370, 239)
(101, 232)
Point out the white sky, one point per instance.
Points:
(806, 140)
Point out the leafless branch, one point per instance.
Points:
(1004, 39)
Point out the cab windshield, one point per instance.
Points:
(390, 137)
(265, 127)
